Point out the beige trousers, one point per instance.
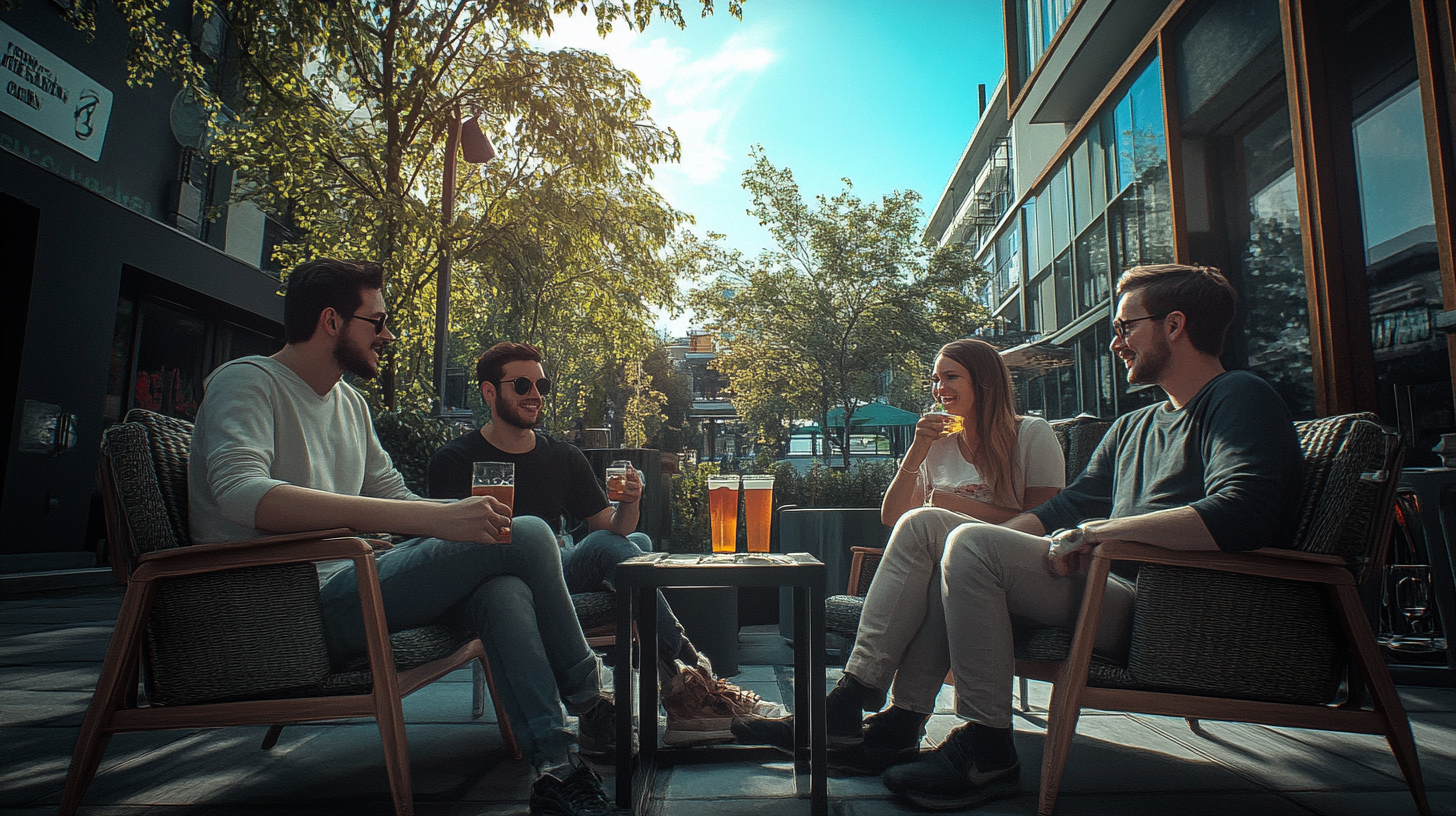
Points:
(943, 599)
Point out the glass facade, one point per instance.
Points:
(1105, 208)
(1037, 22)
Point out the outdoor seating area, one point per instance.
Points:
(52, 643)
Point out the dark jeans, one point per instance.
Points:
(591, 565)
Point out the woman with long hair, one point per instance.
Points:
(997, 466)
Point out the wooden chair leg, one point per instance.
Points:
(396, 752)
(477, 685)
(1066, 704)
(1382, 692)
(114, 688)
(270, 739)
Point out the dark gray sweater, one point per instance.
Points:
(1231, 454)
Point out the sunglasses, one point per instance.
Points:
(377, 321)
(522, 385)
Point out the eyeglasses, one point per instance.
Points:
(1120, 326)
(522, 385)
(377, 321)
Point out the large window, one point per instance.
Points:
(1037, 22)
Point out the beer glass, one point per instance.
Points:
(497, 480)
(953, 423)
(723, 512)
(757, 510)
(617, 479)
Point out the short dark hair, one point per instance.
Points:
(492, 363)
(1201, 293)
(325, 283)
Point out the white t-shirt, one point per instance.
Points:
(259, 426)
(1041, 464)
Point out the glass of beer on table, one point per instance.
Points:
(617, 480)
(757, 510)
(497, 480)
(723, 512)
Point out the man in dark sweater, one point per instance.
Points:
(554, 481)
(1217, 466)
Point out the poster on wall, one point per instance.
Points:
(44, 92)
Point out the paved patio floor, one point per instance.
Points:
(52, 643)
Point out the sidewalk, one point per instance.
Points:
(51, 646)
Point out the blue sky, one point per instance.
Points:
(882, 92)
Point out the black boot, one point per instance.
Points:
(975, 764)
(843, 714)
(890, 737)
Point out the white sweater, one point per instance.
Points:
(260, 425)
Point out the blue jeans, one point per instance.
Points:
(590, 566)
(514, 596)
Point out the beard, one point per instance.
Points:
(511, 415)
(355, 360)
(1148, 365)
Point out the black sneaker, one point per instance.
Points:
(890, 738)
(596, 728)
(974, 765)
(579, 794)
(844, 709)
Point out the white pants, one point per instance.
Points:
(943, 599)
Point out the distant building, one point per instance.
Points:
(1293, 144)
(128, 278)
(713, 407)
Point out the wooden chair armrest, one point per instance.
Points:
(856, 566)
(1269, 562)
(288, 548)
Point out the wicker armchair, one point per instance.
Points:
(232, 633)
(1275, 636)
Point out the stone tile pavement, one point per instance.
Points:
(51, 646)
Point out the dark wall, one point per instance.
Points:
(82, 242)
(139, 165)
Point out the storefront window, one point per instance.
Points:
(1412, 371)
(1093, 284)
(1276, 306)
(171, 354)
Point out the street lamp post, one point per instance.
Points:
(461, 137)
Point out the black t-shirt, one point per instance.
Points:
(553, 479)
(1231, 453)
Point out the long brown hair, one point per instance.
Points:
(996, 420)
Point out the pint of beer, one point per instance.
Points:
(497, 480)
(723, 512)
(617, 480)
(953, 423)
(757, 510)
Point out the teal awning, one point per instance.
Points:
(875, 415)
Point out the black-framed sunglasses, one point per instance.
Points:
(1120, 326)
(377, 321)
(522, 385)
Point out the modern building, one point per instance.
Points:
(1302, 147)
(129, 277)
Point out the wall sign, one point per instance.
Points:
(45, 92)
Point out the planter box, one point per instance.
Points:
(827, 533)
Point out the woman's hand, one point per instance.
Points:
(929, 428)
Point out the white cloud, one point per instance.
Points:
(697, 95)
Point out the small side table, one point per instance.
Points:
(637, 581)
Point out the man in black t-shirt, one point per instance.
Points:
(554, 482)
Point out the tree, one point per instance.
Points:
(848, 293)
(336, 119)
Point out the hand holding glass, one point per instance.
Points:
(497, 480)
(953, 423)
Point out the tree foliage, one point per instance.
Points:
(334, 117)
(849, 293)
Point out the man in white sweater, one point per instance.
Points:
(282, 444)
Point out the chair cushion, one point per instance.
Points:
(411, 648)
(1336, 505)
(170, 441)
(142, 506)
(596, 611)
(841, 614)
(247, 633)
(1228, 635)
